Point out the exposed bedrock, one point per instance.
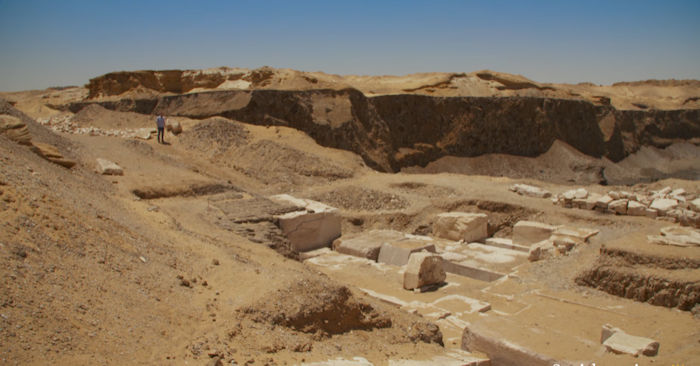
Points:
(395, 131)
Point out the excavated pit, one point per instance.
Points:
(672, 282)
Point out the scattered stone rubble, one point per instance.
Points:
(674, 205)
(64, 124)
(676, 236)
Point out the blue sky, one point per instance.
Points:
(58, 43)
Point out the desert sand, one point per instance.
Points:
(180, 259)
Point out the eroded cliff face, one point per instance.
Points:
(395, 131)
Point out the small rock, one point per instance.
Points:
(143, 259)
(185, 282)
(215, 262)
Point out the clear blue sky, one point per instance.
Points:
(58, 43)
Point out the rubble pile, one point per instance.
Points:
(65, 124)
(673, 205)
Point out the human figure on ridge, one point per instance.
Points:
(160, 122)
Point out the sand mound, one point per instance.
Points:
(315, 306)
(97, 116)
(360, 199)
(561, 163)
(215, 135)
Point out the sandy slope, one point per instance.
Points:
(92, 274)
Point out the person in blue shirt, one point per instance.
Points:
(160, 122)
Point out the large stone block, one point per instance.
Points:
(617, 341)
(663, 205)
(367, 244)
(313, 227)
(635, 208)
(618, 206)
(107, 167)
(530, 232)
(528, 190)
(398, 252)
(423, 269)
(461, 226)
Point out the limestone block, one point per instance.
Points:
(506, 244)
(635, 208)
(461, 226)
(366, 244)
(618, 206)
(423, 269)
(591, 201)
(661, 193)
(313, 227)
(663, 205)
(578, 203)
(695, 205)
(617, 341)
(650, 212)
(581, 193)
(627, 195)
(677, 236)
(530, 232)
(575, 233)
(615, 195)
(603, 202)
(569, 195)
(107, 167)
(528, 190)
(398, 252)
(143, 133)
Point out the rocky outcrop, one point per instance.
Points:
(395, 131)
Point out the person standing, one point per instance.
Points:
(160, 122)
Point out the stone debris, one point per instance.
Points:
(106, 167)
(64, 124)
(676, 236)
(674, 205)
(461, 226)
(530, 232)
(528, 190)
(423, 269)
(314, 226)
(617, 341)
